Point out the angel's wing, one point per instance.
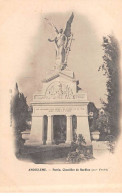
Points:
(67, 31)
(51, 24)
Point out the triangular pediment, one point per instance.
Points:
(60, 85)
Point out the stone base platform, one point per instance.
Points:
(43, 153)
(100, 148)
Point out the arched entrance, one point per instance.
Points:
(59, 128)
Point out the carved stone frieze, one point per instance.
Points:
(59, 90)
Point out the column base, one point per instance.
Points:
(33, 143)
(50, 142)
(68, 142)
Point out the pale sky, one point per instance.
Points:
(26, 55)
(84, 59)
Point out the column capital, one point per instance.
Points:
(79, 115)
(40, 115)
(50, 115)
(68, 115)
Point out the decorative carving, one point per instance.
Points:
(59, 91)
(39, 97)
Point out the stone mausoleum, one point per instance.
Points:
(60, 97)
(60, 108)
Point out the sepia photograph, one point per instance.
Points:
(61, 64)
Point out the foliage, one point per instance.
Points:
(77, 152)
(110, 68)
(102, 125)
(98, 121)
(92, 108)
(19, 109)
(111, 143)
(111, 147)
(93, 115)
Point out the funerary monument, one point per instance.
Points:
(60, 97)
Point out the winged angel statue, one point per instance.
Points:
(63, 41)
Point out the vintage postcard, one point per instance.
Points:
(60, 96)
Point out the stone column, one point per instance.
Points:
(69, 132)
(37, 131)
(83, 128)
(50, 139)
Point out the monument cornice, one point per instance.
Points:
(67, 74)
(66, 102)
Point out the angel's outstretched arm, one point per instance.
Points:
(56, 30)
(54, 27)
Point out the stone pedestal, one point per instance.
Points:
(37, 131)
(69, 132)
(50, 139)
(83, 128)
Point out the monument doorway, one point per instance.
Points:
(74, 125)
(59, 128)
(45, 128)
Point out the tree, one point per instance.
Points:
(93, 115)
(19, 110)
(110, 68)
(102, 125)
